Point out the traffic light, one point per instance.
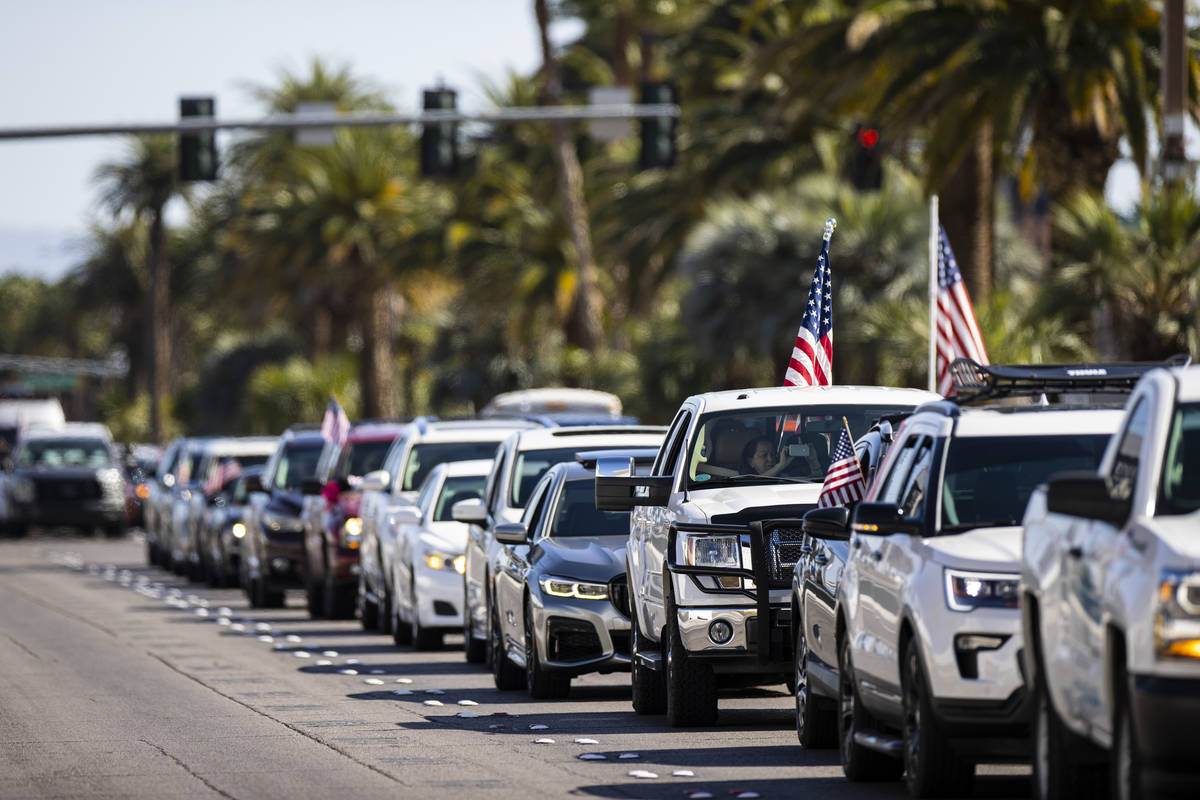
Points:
(197, 151)
(658, 133)
(866, 170)
(439, 140)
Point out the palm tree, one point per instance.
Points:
(141, 185)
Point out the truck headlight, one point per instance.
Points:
(436, 559)
(239, 530)
(713, 551)
(568, 587)
(966, 591)
(350, 533)
(1177, 621)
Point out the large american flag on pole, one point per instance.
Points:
(335, 426)
(844, 483)
(957, 331)
(811, 363)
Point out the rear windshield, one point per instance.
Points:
(577, 514)
(60, 453)
(297, 463)
(1179, 489)
(359, 458)
(424, 457)
(989, 478)
(468, 487)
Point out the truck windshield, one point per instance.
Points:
(1179, 487)
(989, 478)
(773, 445)
(60, 453)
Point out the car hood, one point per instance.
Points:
(595, 558)
(984, 549)
(727, 503)
(1181, 534)
(450, 536)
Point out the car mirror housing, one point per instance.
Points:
(1086, 495)
(469, 511)
(882, 519)
(406, 515)
(511, 533)
(376, 481)
(625, 493)
(831, 524)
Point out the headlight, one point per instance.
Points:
(22, 490)
(1177, 621)
(713, 551)
(566, 587)
(239, 530)
(350, 533)
(436, 559)
(966, 591)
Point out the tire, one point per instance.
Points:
(505, 673)
(932, 768)
(860, 764)
(385, 613)
(1062, 768)
(542, 684)
(422, 638)
(151, 553)
(691, 687)
(401, 630)
(339, 600)
(474, 649)
(816, 718)
(649, 686)
(264, 597)
(1126, 769)
(314, 598)
(368, 611)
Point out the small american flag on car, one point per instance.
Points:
(844, 482)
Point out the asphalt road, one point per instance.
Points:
(114, 684)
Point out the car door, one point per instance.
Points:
(406, 547)
(649, 526)
(512, 563)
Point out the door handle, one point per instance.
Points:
(1075, 552)
(821, 559)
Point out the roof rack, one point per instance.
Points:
(975, 382)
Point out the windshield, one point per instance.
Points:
(1179, 489)
(531, 465)
(989, 478)
(773, 445)
(359, 458)
(469, 487)
(298, 462)
(424, 457)
(59, 453)
(577, 514)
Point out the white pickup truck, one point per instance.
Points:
(715, 533)
(1110, 598)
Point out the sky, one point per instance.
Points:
(69, 62)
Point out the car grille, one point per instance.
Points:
(783, 546)
(573, 640)
(66, 490)
(618, 593)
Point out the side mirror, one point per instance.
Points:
(405, 515)
(614, 467)
(1086, 495)
(883, 519)
(510, 532)
(376, 481)
(471, 511)
(829, 524)
(310, 486)
(253, 483)
(625, 493)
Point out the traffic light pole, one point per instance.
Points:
(504, 116)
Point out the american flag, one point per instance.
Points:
(811, 363)
(844, 482)
(224, 472)
(957, 331)
(335, 427)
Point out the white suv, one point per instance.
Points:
(927, 629)
(1110, 590)
(709, 568)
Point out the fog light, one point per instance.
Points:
(978, 641)
(720, 631)
(280, 564)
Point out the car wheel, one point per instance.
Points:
(649, 687)
(385, 613)
(542, 684)
(691, 687)
(423, 638)
(272, 598)
(860, 764)
(932, 768)
(151, 553)
(401, 630)
(216, 576)
(1126, 769)
(1061, 769)
(368, 611)
(474, 649)
(816, 724)
(504, 672)
(314, 598)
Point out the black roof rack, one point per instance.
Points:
(976, 382)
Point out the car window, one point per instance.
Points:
(1123, 477)
(424, 457)
(465, 487)
(64, 453)
(1179, 489)
(296, 464)
(668, 454)
(528, 468)
(917, 485)
(537, 499)
(428, 490)
(894, 480)
(494, 479)
(577, 515)
(359, 458)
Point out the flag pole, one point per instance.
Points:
(933, 262)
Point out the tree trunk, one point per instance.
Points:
(968, 211)
(584, 325)
(320, 334)
(159, 325)
(376, 365)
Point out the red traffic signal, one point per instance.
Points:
(867, 137)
